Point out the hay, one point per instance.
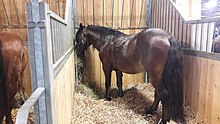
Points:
(14, 114)
(16, 104)
(128, 109)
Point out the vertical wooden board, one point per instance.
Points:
(90, 64)
(98, 12)
(2, 14)
(27, 78)
(144, 18)
(180, 30)
(216, 94)
(170, 19)
(190, 84)
(79, 12)
(116, 14)
(53, 5)
(176, 27)
(209, 91)
(108, 10)
(202, 88)
(167, 15)
(173, 20)
(20, 5)
(185, 78)
(62, 8)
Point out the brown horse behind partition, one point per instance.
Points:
(151, 50)
(13, 60)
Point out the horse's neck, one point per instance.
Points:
(96, 40)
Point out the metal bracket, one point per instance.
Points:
(41, 24)
(31, 24)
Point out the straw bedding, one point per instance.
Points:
(89, 108)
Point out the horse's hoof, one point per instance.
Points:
(161, 121)
(108, 98)
(121, 94)
(149, 112)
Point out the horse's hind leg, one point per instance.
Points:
(165, 103)
(119, 82)
(107, 72)
(1, 116)
(155, 104)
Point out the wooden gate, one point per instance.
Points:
(50, 41)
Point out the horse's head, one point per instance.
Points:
(81, 40)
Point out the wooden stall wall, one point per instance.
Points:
(63, 91)
(111, 13)
(202, 87)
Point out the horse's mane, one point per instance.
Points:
(104, 30)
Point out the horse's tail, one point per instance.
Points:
(172, 80)
(1, 65)
(2, 85)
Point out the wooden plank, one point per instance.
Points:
(215, 118)
(209, 91)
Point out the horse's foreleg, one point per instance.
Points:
(155, 104)
(119, 82)
(107, 72)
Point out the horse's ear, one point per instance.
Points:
(80, 25)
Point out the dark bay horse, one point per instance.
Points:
(13, 60)
(151, 50)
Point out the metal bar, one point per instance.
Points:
(112, 12)
(122, 13)
(171, 31)
(206, 20)
(131, 11)
(16, 10)
(174, 23)
(187, 37)
(52, 39)
(83, 11)
(57, 18)
(6, 14)
(23, 112)
(178, 27)
(93, 7)
(141, 12)
(182, 33)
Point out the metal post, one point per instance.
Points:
(40, 48)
